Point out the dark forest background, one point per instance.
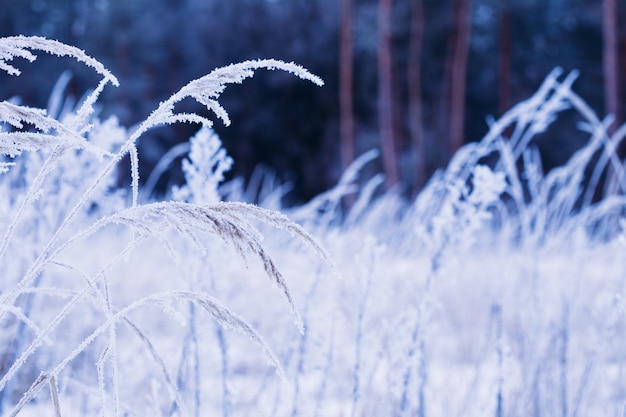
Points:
(414, 78)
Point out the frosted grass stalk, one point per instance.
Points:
(328, 364)
(356, 376)
(563, 359)
(54, 393)
(302, 346)
(205, 90)
(54, 323)
(496, 313)
(226, 395)
(406, 379)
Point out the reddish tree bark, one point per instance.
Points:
(504, 58)
(444, 101)
(385, 102)
(459, 74)
(622, 61)
(416, 122)
(346, 70)
(610, 65)
(611, 80)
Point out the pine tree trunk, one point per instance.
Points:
(611, 83)
(385, 111)
(346, 112)
(504, 58)
(123, 63)
(416, 128)
(622, 63)
(459, 74)
(446, 81)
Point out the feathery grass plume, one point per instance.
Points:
(228, 220)
(205, 90)
(21, 46)
(14, 143)
(67, 135)
(59, 134)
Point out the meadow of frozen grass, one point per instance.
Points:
(498, 291)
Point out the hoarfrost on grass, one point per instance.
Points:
(500, 280)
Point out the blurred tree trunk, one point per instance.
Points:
(346, 111)
(416, 122)
(385, 112)
(122, 57)
(459, 73)
(621, 62)
(444, 97)
(611, 82)
(504, 58)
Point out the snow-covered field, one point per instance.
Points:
(498, 291)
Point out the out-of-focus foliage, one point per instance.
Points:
(155, 46)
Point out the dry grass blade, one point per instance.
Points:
(20, 46)
(279, 221)
(54, 392)
(13, 143)
(229, 220)
(226, 317)
(169, 381)
(162, 300)
(54, 323)
(206, 90)
(32, 129)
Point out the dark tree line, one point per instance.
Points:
(414, 78)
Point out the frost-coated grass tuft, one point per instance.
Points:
(67, 318)
(497, 291)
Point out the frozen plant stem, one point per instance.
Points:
(563, 360)
(205, 90)
(221, 340)
(54, 392)
(302, 346)
(232, 222)
(496, 313)
(356, 387)
(321, 394)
